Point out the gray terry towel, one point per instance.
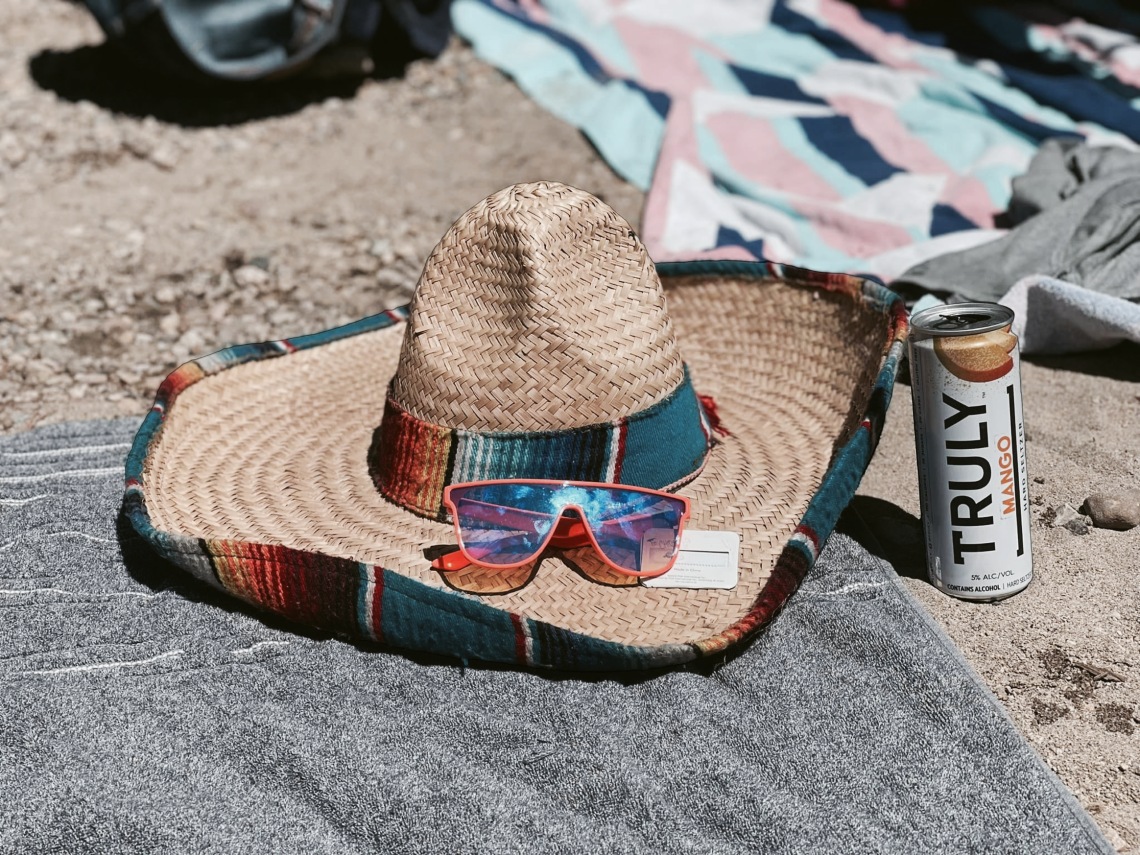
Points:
(143, 713)
(1075, 216)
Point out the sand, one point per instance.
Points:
(140, 227)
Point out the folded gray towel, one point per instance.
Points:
(1052, 316)
(143, 713)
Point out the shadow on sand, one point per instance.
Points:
(886, 530)
(1121, 362)
(109, 77)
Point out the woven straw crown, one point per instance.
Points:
(538, 310)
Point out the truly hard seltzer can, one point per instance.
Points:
(970, 441)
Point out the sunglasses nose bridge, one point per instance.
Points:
(593, 537)
(587, 525)
(570, 506)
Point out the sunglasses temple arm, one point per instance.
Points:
(450, 562)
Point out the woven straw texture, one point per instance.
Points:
(274, 451)
(538, 310)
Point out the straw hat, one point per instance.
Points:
(304, 476)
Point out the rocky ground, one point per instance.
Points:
(129, 243)
(141, 225)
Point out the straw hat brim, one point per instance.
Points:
(251, 472)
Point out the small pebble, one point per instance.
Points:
(165, 157)
(1070, 518)
(1119, 511)
(139, 144)
(11, 149)
(250, 276)
(170, 324)
(192, 341)
(199, 284)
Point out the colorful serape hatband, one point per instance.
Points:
(661, 447)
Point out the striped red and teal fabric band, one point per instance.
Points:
(661, 447)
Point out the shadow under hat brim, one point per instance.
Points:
(251, 472)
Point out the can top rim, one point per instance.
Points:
(954, 319)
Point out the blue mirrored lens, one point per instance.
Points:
(637, 531)
(498, 527)
(508, 523)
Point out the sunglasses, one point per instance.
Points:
(508, 523)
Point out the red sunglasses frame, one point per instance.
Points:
(567, 533)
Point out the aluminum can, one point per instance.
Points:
(970, 442)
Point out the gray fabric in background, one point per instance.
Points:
(1051, 316)
(1075, 216)
(142, 713)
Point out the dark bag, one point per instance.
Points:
(255, 39)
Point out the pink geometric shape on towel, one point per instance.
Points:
(878, 124)
(754, 149)
(852, 234)
(678, 143)
(971, 199)
(889, 49)
(664, 57)
(1127, 74)
(535, 11)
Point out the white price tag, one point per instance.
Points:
(708, 559)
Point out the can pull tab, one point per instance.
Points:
(959, 320)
